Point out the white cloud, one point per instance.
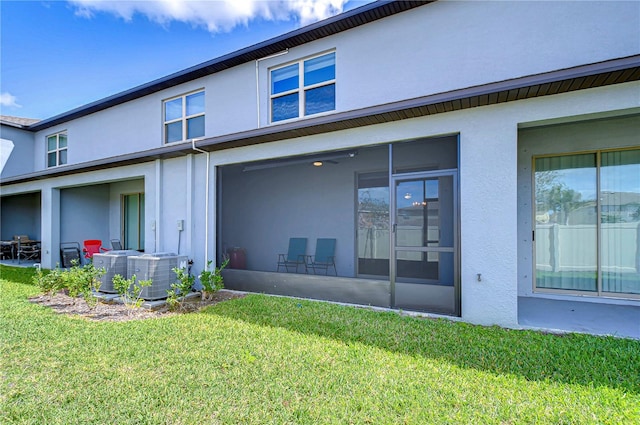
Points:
(215, 15)
(8, 100)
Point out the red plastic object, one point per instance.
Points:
(237, 258)
(92, 246)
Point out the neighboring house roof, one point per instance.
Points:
(619, 199)
(561, 81)
(17, 121)
(336, 24)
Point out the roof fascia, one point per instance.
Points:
(330, 26)
(289, 130)
(351, 119)
(12, 124)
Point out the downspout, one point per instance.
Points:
(206, 204)
(284, 52)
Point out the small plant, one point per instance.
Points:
(130, 290)
(50, 281)
(82, 281)
(177, 295)
(78, 281)
(212, 280)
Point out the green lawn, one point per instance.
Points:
(265, 360)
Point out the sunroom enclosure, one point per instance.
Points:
(392, 209)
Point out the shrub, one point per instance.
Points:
(212, 280)
(176, 296)
(82, 281)
(50, 281)
(78, 281)
(130, 290)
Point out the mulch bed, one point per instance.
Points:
(115, 312)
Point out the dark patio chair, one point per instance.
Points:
(69, 252)
(22, 246)
(28, 251)
(324, 258)
(295, 256)
(8, 250)
(116, 245)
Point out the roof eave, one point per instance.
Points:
(561, 81)
(330, 26)
(12, 124)
(600, 74)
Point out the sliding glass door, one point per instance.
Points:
(587, 222)
(133, 221)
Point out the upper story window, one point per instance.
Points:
(57, 149)
(303, 88)
(184, 117)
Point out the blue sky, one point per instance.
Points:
(58, 55)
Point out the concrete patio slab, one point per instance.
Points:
(578, 316)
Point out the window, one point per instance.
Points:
(587, 222)
(184, 117)
(57, 149)
(304, 88)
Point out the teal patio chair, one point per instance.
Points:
(324, 258)
(295, 256)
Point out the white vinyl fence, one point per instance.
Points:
(574, 247)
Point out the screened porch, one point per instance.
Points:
(395, 231)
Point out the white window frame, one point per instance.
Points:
(57, 149)
(301, 90)
(184, 118)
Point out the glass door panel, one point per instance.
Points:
(566, 222)
(425, 248)
(133, 221)
(620, 221)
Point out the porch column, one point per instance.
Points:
(152, 206)
(488, 220)
(211, 245)
(190, 216)
(50, 227)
